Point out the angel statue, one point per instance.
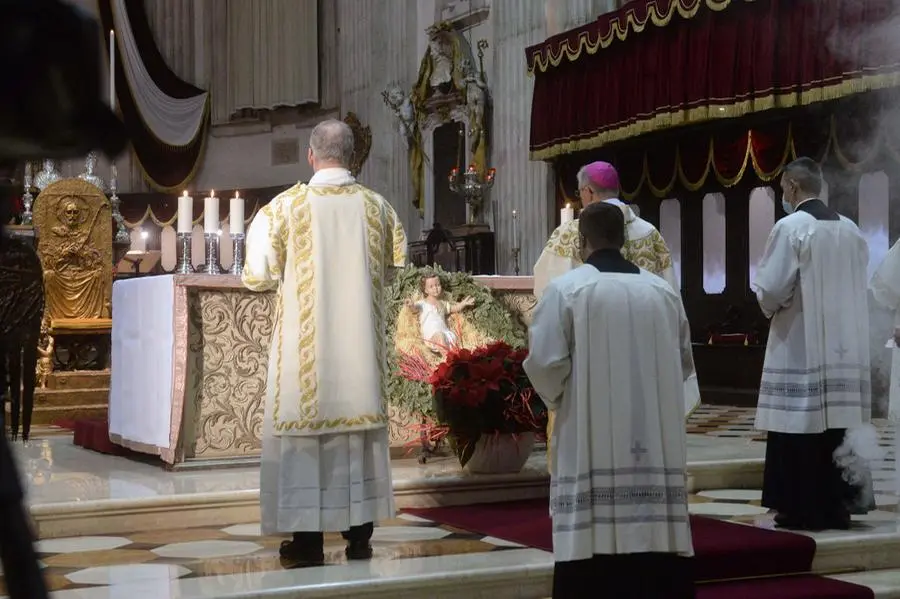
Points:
(476, 99)
(402, 107)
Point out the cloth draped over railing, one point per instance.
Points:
(854, 136)
(167, 118)
(656, 64)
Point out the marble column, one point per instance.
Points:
(377, 47)
(521, 185)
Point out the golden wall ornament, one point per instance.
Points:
(74, 221)
(362, 142)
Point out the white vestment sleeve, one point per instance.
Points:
(885, 283)
(549, 359)
(264, 250)
(668, 274)
(684, 334)
(548, 267)
(778, 272)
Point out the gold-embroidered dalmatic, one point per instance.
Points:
(327, 250)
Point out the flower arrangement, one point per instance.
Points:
(478, 392)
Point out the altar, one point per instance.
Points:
(189, 358)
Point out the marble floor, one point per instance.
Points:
(203, 561)
(413, 557)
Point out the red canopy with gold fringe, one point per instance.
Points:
(656, 64)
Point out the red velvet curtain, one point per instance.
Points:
(690, 61)
(857, 134)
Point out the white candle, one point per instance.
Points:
(185, 213)
(567, 214)
(236, 214)
(211, 213)
(515, 230)
(112, 69)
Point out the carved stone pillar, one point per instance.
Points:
(521, 185)
(368, 66)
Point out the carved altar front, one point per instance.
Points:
(219, 361)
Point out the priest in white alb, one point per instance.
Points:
(328, 249)
(644, 246)
(609, 351)
(885, 287)
(814, 396)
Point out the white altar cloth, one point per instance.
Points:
(143, 337)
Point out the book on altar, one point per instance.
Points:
(138, 261)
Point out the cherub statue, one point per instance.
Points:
(44, 366)
(433, 310)
(402, 107)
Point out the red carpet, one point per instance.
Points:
(724, 550)
(93, 435)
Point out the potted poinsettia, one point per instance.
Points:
(485, 406)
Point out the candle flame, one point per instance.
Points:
(237, 195)
(212, 193)
(568, 205)
(515, 214)
(184, 193)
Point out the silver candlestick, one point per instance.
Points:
(183, 267)
(212, 254)
(27, 198)
(122, 236)
(515, 253)
(237, 245)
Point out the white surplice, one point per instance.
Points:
(885, 287)
(644, 247)
(328, 248)
(609, 352)
(816, 369)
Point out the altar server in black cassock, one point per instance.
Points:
(815, 384)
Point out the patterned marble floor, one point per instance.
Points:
(148, 562)
(190, 563)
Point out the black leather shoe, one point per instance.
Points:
(294, 555)
(357, 550)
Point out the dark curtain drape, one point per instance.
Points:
(656, 64)
(164, 166)
(854, 135)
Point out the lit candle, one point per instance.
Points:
(185, 213)
(211, 213)
(567, 214)
(112, 69)
(236, 214)
(515, 216)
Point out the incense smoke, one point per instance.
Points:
(854, 458)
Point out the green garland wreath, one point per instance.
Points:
(489, 315)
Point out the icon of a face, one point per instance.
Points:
(71, 213)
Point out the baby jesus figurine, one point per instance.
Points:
(433, 311)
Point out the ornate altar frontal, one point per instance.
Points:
(218, 360)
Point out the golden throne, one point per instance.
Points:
(73, 223)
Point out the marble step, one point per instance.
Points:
(58, 398)
(78, 379)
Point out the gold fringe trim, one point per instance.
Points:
(721, 109)
(880, 145)
(625, 22)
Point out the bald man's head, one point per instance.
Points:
(330, 145)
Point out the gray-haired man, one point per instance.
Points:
(328, 248)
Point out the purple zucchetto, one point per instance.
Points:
(602, 175)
